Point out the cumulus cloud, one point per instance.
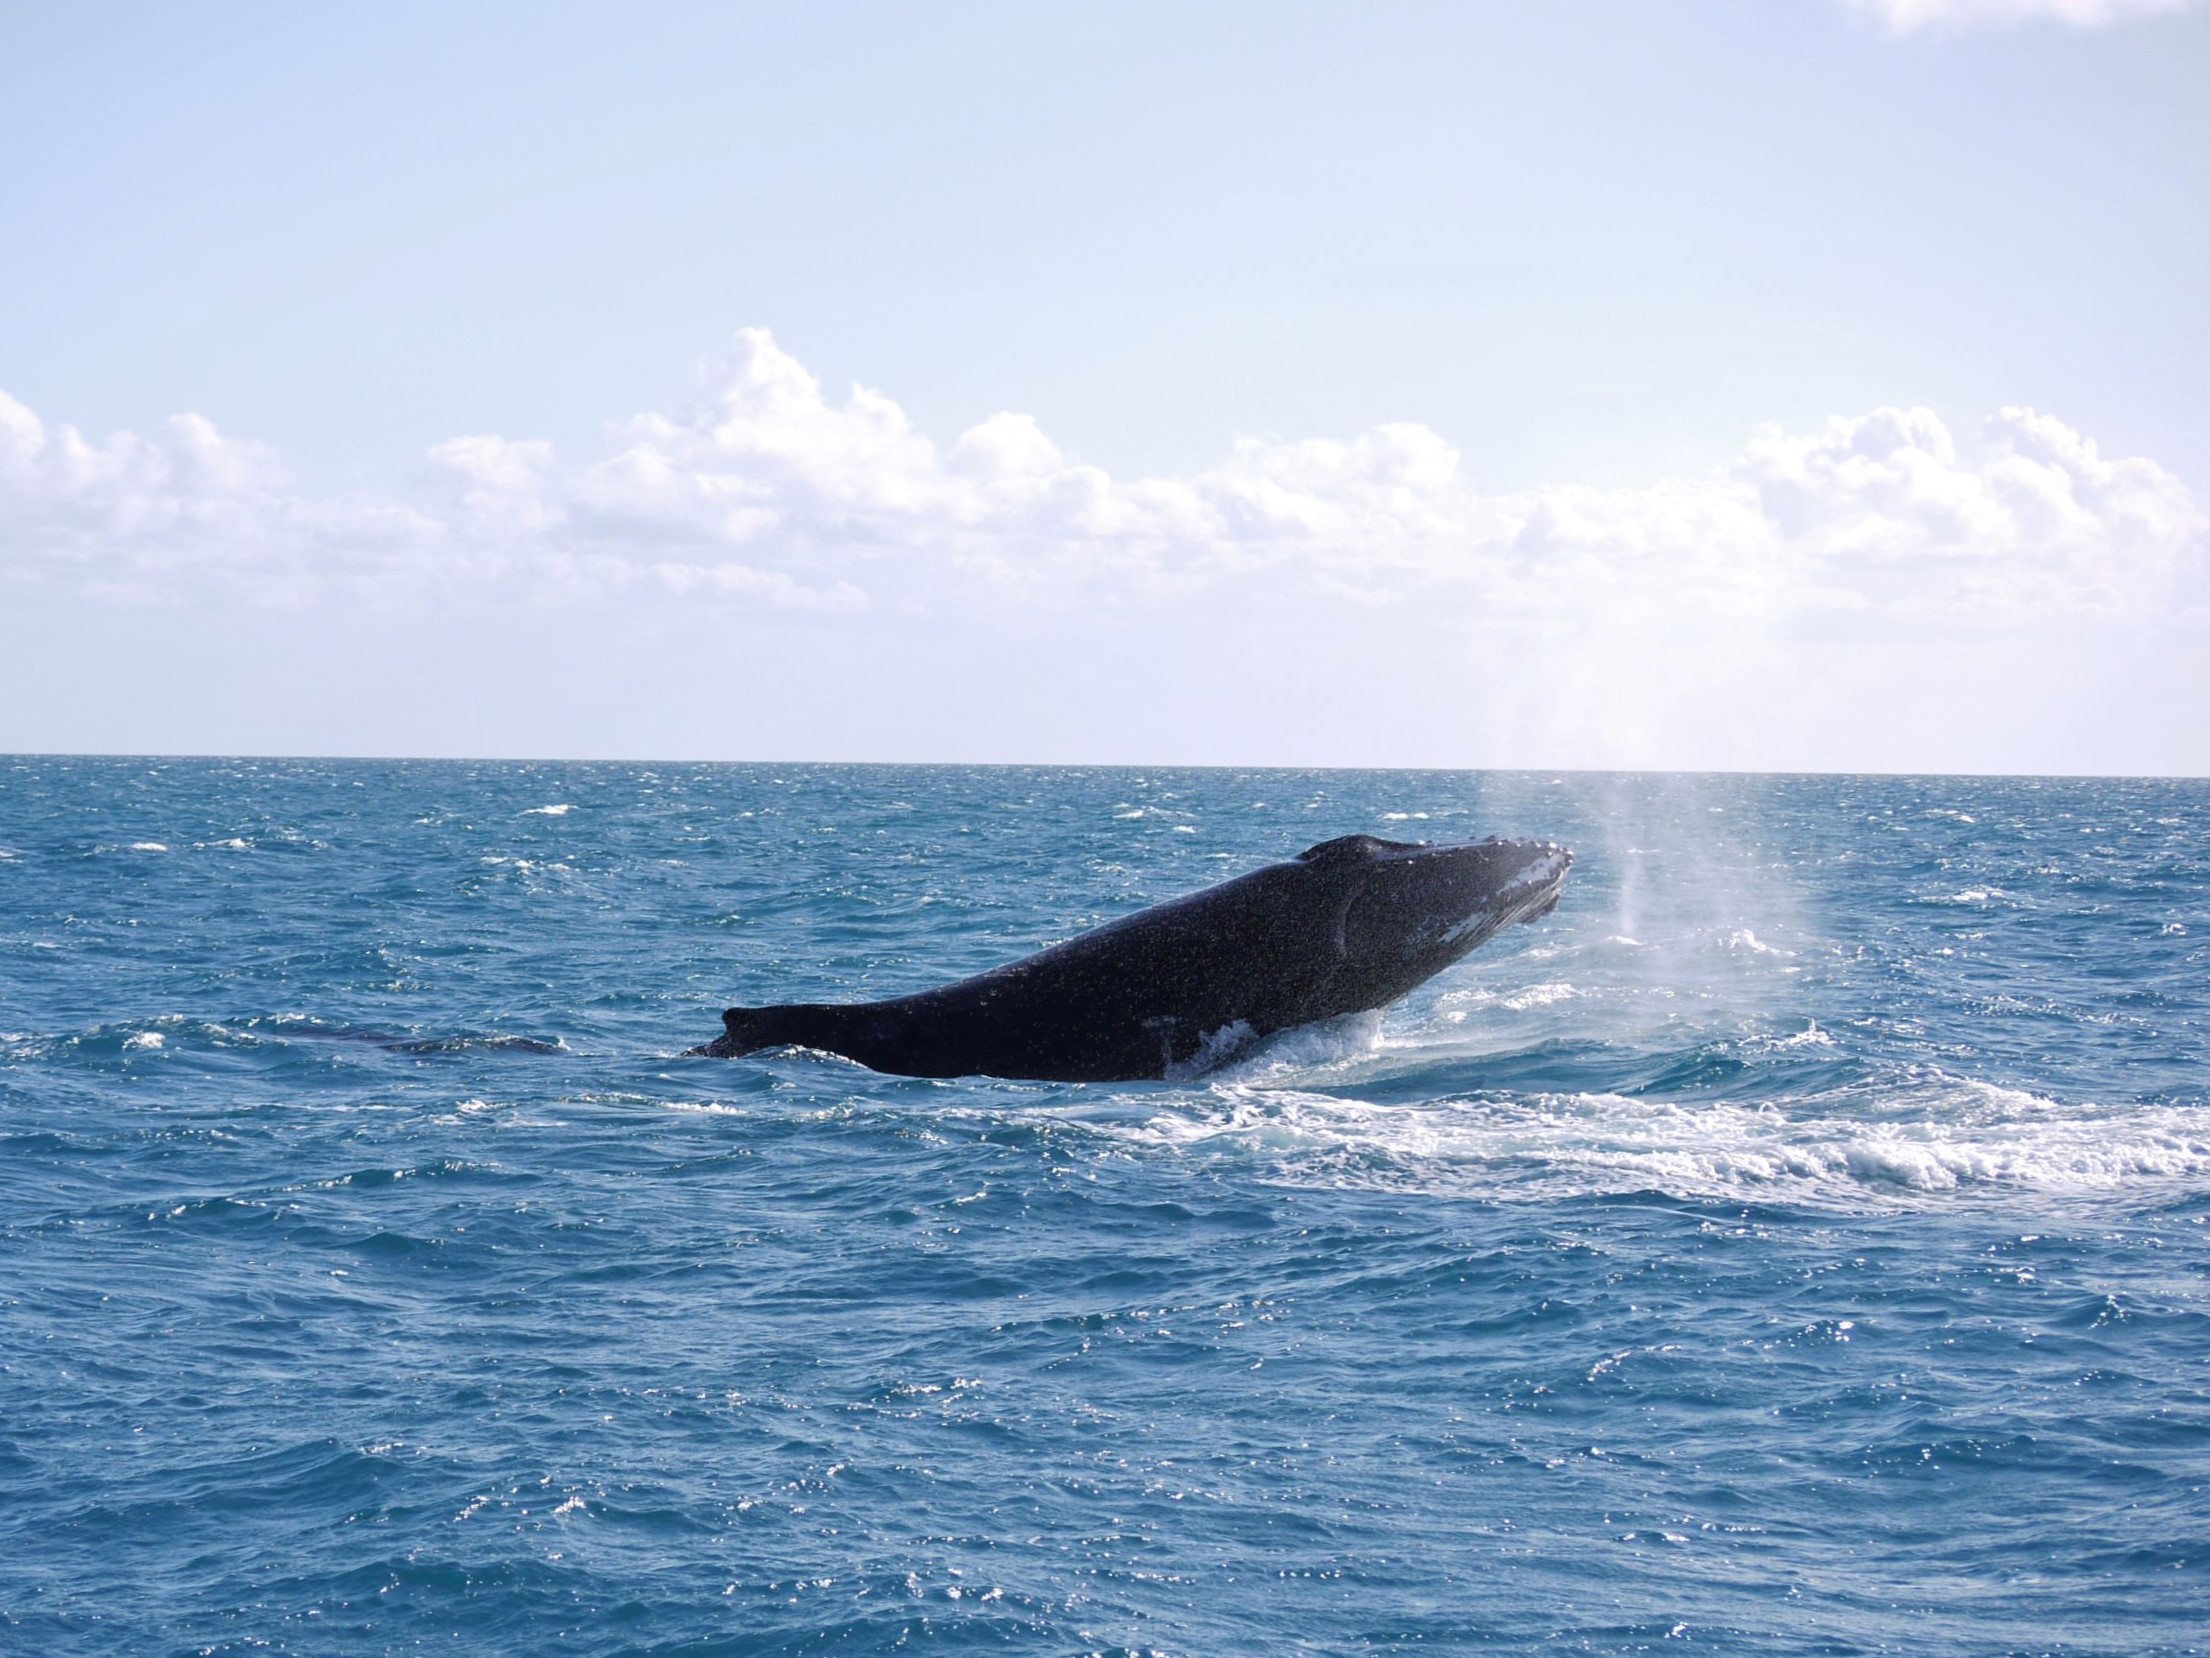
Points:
(769, 493)
(1905, 17)
(150, 517)
(773, 546)
(495, 483)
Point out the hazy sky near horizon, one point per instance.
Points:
(1794, 384)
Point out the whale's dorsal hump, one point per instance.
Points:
(1350, 849)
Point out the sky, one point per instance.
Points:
(1775, 384)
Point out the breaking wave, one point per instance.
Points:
(1935, 1136)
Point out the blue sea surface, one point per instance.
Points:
(1797, 1243)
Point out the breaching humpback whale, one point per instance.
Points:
(1346, 926)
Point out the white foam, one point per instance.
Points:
(1455, 1006)
(147, 846)
(1970, 896)
(1539, 995)
(1214, 1049)
(146, 1039)
(1928, 1140)
(1810, 1037)
(561, 810)
(1304, 1050)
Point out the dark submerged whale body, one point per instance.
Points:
(1349, 925)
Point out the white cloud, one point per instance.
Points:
(153, 517)
(1606, 617)
(1939, 16)
(66, 492)
(496, 484)
(769, 492)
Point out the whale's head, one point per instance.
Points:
(1411, 909)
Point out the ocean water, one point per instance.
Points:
(1795, 1244)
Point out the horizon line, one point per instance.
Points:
(13, 755)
